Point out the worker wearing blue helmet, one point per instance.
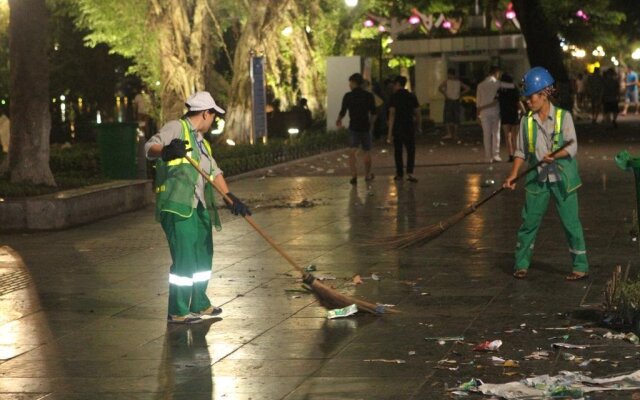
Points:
(545, 129)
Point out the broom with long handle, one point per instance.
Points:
(321, 290)
(423, 235)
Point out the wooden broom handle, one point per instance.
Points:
(520, 175)
(248, 218)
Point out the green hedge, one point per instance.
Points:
(79, 165)
(241, 158)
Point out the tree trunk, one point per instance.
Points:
(184, 45)
(264, 18)
(543, 46)
(29, 93)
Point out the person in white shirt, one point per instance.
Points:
(488, 111)
(452, 89)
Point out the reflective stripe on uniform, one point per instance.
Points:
(203, 276)
(180, 280)
(577, 252)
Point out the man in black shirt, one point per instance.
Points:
(362, 112)
(404, 122)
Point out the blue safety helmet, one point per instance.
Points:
(536, 79)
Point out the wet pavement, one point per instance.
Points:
(84, 310)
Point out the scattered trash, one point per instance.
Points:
(384, 360)
(310, 268)
(356, 280)
(412, 353)
(375, 277)
(326, 278)
(331, 171)
(497, 360)
(439, 204)
(566, 384)
(570, 346)
(538, 355)
(631, 337)
(563, 337)
(383, 151)
(568, 356)
(488, 345)
(445, 339)
(342, 312)
(511, 364)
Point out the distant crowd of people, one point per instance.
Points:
(600, 92)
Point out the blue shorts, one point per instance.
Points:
(358, 139)
(631, 96)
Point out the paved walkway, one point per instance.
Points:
(84, 309)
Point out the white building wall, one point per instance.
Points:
(429, 73)
(339, 69)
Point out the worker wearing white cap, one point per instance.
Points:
(185, 206)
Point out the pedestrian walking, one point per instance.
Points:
(452, 89)
(543, 131)
(631, 90)
(362, 113)
(404, 122)
(489, 114)
(510, 107)
(610, 96)
(186, 207)
(594, 90)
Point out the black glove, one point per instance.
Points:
(176, 149)
(237, 207)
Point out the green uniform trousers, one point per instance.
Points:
(534, 209)
(191, 246)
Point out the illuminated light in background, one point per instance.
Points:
(598, 52)
(307, 28)
(63, 112)
(369, 23)
(351, 3)
(636, 54)
(3, 102)
(414, 20)
(219, 127)
(446, 24)
(98, 117)
(287, 31)
(615, 61)
(381, 28)
(62, 98)
(157, 83)
(578, 53)
(293, 131)
(582, 14)
(230, 142)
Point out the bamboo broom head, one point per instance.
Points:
(419, 236)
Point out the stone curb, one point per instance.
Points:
(74, 207)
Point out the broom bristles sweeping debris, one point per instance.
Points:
(423, 235)
(325, 294)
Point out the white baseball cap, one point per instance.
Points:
(200, 101)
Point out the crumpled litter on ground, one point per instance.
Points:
(342, 312)
(538, 355)
(570, 346)
(488, 345)
(568, 384)
(384, 360)
(631, 337)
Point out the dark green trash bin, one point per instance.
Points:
(117, 143)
